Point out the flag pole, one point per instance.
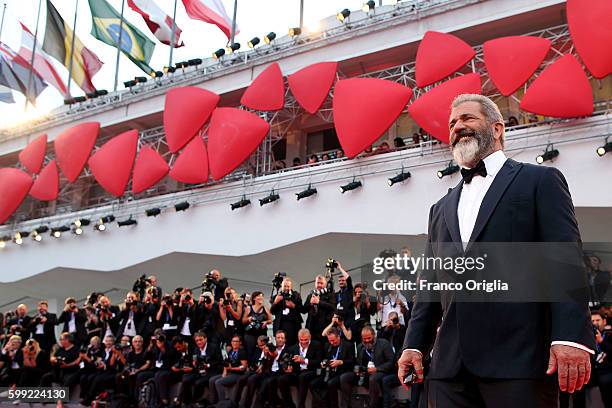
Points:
(33, 53)
(233, 33)
(2, 22)
(172, 35)
(119, 46)
(76, 9)
(301, 14)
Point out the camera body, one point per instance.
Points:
(319, 292)
(277, 282)
(60, 360)
(285, 362)
(271, 347)
(209, 283)
(362, 375)
(201, 363)
(331, 265)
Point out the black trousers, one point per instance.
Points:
(469, 391)
(268, 390)
(68, 378)
(301, 380)
(163, 381)
(30, 377)
(374, 385)
(326, 391)
(100, 382)
(193, 387)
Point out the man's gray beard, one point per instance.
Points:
(468, 152)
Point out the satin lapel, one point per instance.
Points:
(450, 215)
(501, 182)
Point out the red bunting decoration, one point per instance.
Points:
(14, 187)
(267, 91)
(439, 55)
(46, 185)
(33, 155)
(310, 86)
(149, 169)
(73, 146)
(191, 166)
(112, 164)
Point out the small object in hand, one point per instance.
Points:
(411, 376)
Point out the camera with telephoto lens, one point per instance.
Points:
(395, 320)
(167, 300)
(140, 285)
(187, 297)
(60, 360)
(319, 292)
(285, 361)
(182, 362)
(287, 295)
(9, 316)
(128, 371)
(271, 347)
(209, 284)
(277, 282)
(325, 369)
(331, 265)
(226, 299)
(362, 375)
(201, 363)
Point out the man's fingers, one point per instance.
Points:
(552, 364)
(418, 369)
(581, 376)
(562, 371)
(572, 377)
(587, 376)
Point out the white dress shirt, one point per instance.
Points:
(470, 201)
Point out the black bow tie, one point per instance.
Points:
(479, 169)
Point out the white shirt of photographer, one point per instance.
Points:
(470, 201)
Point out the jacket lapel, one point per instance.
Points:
(450, 215)
(501, 182)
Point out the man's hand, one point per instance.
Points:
(409, 359)
(573, 366)
(598, 337)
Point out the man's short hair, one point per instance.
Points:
(43, 302)
(67, 336)
(333, 331)
(597, 312)
(368, 329)
(200, 334)
(304, 332)
(69, 300)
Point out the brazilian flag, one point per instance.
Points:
(107, 26)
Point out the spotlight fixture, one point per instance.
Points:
(295, 31)
(70, 101)
(194, 62)
(239, 204)
(130, 83)
(91, 95)
(127, 223)
(181, 206)
(607, 147)
(269, 199)
(19, 236)
(77, 230)
(101, 92)
(549, 154)
(169, 70)
(270, 37)
(343, 15)
(140, 79)
(153, 212)
(253, 43)
(57, 232)
(3, 241)
(306, 193)
(101, 224)
(350, 186)
(182, 64)
(450, 169)
(219, 53)
(368, 6)
(401, 177)
(156, 74)
(78, 99)
(37, 233)
(232, 48)
(82, 222)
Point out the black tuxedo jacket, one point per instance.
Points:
(525, 203)
(47, 338)
(382, 356)
(80, 319)
(314, 355)
(346, 354)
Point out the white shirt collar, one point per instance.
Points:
(494, 162)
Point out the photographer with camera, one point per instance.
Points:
(150, 306)
(136, 361)
(65, 360)
(207, 362)
(282, 363)
(394, 301)
(307, 356)
(231, 309)
(142, 285)
(105, 371)
(187, 315)
(286, 308)
(214, 283)
(339, 358)
(182, 367)
(73, 321)
(91, 356)
(35, 364)
(235, 365)
(166, 317)
(337, 322)
(602, 366)
(319, 305)
(131, 317)
(208, 318)
(93, 326)
(43, 326)
(108, 315)
(394, 332)
(364, 308)
(255, 319)
(259, 369)
(19, 323)
(11, 357)
(344, 294)
(374, 361)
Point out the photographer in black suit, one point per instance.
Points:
(19, 323)
(43, 327)
(338, 359)
(73, 321)
(319, 305)
(374, 361)
(344, 294)
(307, 356)
(281, 364)
(498, 354)
(131, 319)
(286, 308)
(207, 362)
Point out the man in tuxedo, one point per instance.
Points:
(43, 326)
(497, 354)
(73, 321)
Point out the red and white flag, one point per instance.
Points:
(42, 62)
(212, 12)
(157, 20)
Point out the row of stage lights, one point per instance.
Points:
(101, 224)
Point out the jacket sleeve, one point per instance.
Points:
(388, 358)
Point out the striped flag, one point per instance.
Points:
(58, 44)
(6, 95)
(16, 73)
(107, 27)
(212, 12)
(158, 22)
(42, 62)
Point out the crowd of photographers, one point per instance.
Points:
(215, 347)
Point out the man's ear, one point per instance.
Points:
(498, 130)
